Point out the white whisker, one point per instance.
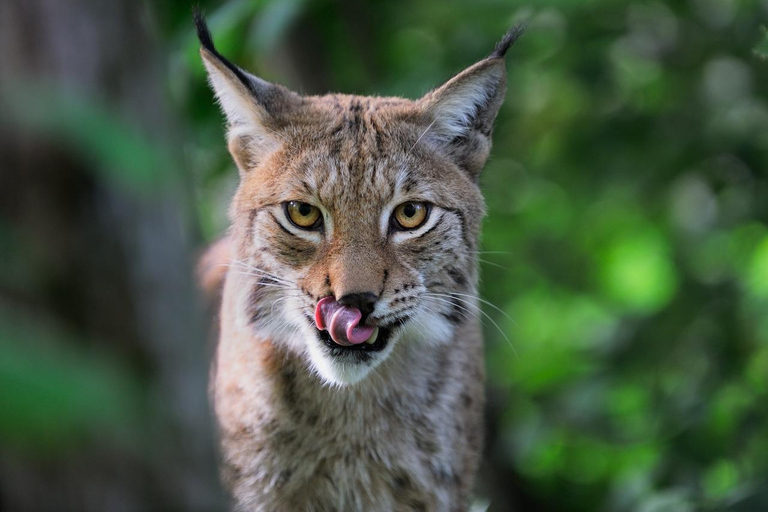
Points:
(488, 303)
(492, 264)
(272, 285)
(434, 296)
(259, 270)
(422, 135)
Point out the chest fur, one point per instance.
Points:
(406, 439)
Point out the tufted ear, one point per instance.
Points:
(255, 109)
(462, 110)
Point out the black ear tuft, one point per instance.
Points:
(206, 40)
(508, 40)
(203, 34)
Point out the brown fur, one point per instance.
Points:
(302, 428)
(212, 267)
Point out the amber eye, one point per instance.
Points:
(410, 215)
(303, 215)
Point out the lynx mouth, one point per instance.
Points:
(343, 328)
(362, 351)
(382, 338)
(347, 332)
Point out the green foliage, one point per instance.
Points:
(55, 396)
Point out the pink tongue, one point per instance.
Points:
(341, 322)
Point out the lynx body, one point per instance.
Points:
(369, 206)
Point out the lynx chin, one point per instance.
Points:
(349, 369)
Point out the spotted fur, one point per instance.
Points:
(305, 426)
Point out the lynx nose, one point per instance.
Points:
(365, 302)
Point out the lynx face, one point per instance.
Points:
(356, 220)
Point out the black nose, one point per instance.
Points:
(362, 301)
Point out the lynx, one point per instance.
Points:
(349, 370)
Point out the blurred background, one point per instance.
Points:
(626, 246)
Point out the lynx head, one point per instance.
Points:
(356, 221)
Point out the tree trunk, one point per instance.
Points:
(100, 250)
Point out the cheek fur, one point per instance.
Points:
(439, 250)
(286, 248)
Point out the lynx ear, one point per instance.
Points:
(255, 109)
(462, 110)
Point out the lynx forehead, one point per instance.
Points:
(348, 322)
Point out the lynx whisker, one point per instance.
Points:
(260, 270)
(271, 285)
(481, 260)
(486, 315)
(454, 304)
(487, 303)
(422, 329)
(253, 267)
(421, 136)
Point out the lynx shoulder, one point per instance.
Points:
(349, 370)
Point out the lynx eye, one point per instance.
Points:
(410, 215)
(303, 215)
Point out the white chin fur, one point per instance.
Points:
(337, 371)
